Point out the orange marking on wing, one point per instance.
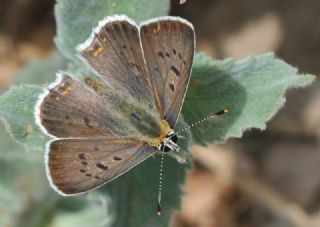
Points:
(97, 52)
(67, 90)
(157, 29)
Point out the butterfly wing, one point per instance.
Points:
(91, 109)
(96, 138)
(168, 47)
(114, 51)
(77, 165)
(68, 109)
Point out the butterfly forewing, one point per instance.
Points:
(114, 51)
(68, 109)
(78, 165)
(168, 47)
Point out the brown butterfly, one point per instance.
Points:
(103, 127)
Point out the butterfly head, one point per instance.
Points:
(169, 143)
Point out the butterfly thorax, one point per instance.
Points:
(164, 132)
(145, 124)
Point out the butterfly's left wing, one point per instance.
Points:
(114, 52)
(76, 166)
(168, 45)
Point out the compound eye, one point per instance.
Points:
(167, 148)
(164, 147)
(174, 138)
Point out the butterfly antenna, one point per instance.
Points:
(221, 112)
(160, 183)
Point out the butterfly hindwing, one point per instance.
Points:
(168, 47)
(77, 165)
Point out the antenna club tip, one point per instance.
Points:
(158, 209)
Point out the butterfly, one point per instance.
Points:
(104, 126)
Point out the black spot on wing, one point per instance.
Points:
(175, 70)
(87, 122)
(174, 51)
(160, 54)
(85, 163)
(102, 166)
(156, 69)
(171, 87)
(82, 156)
(117, 158)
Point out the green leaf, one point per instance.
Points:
(17, 111)
(41, 71)
(252, 89)
(7, 186)
(23, 187)
(76, 18)
(135, 194)
(96, 213)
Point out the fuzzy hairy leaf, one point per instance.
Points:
(16, 111)
(41, 71)
(76, 18)
(95, 213)
(135, 194)
(252, 89)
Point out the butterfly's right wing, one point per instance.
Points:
(168, 45)
(152, 64)
(95, 143)
(76, 166)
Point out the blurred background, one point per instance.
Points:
(269, 178)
